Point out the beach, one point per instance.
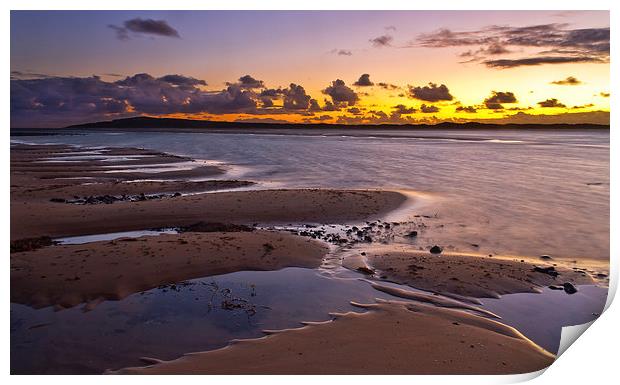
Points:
(99, 226)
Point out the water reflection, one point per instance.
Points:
(207, 313)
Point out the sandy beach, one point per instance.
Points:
(454, 342)
(220, 231)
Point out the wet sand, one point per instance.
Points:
(461, 274)
(34, 219)
(391, 338)
(33, 215)
(430, 339)
(68, 275)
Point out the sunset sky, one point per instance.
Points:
(327, 66)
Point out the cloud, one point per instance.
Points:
(427, 109)
(468, 109)
(27, 75)
(556, 44)
(341, 94)
(569, 81)
(535, 61)
(388, 86)
(551, 103)
(295, 98)
(364, 81)
(248, 82)
(404, 110)
(497, 98)
(381, 41)
(341, 52)
(145, 27)
(181, 80)
(354, 111)
(605, 94)
(582, 106)
(431, 93)
(63, 100)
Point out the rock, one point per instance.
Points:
(546, 257)
(58, 200)
(569, 288)
(556, 287)
(436, 249)
(546, 270)
(412, 234)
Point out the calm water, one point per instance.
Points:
(515, 192)
(165, 323)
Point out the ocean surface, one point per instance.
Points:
(519, 192)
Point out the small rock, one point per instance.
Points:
(412, 234)
(546, 257)
(547, 270)
(556, 287)
(569, 288)
(436, 249)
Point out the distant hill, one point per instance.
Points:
(144, 122)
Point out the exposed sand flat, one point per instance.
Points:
(391, 338)
(68, 191)
(68, 275)
(49, 162)
(463, 274)
(34, 219)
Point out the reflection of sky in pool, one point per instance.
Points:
(167, 322)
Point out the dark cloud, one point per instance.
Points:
(534, 61)
(295, 98)
(551, 103)
(354, 111)
(71, 99)
(388, 86)
(341, 94)
(468, 109)
(583, 106)
(145, 27)
(180, 80)
(382, 41)
(427, 109)
(556, 43)
(364, 81)
(479, 54)
(341, 52)
(569, 81)
(497, 98)
(403, 110)
(431, 93)
(248, 82)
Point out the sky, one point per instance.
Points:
(351, 67)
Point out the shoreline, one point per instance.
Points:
(454, 342)
(221, 234)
